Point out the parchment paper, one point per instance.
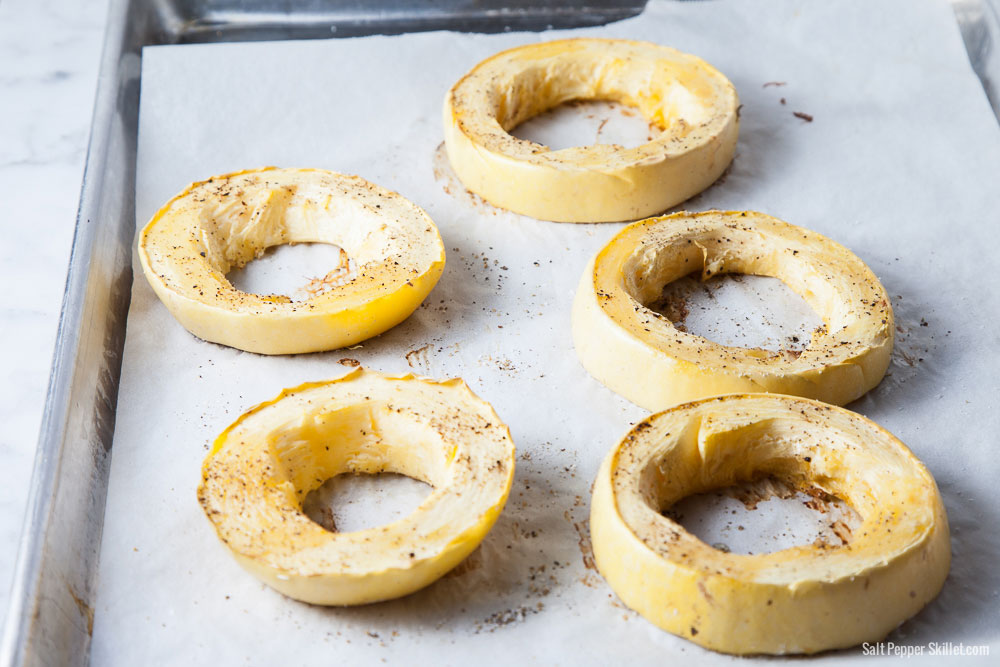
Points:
(900, 163)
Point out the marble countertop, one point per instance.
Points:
(49, 57)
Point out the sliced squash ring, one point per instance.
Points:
(261, 468)
(693, 104)
(641, 355)
(213, 226)
(799, 600)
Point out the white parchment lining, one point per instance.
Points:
(900, 164)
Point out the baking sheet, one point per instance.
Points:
(898, 163)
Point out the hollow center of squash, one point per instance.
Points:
(761, 486)
(351, 502)
(301, 271)
(764, 516)
(586, 123)
(739, 310)
(368, 438)
(669, 97)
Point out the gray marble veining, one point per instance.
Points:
(49, 55)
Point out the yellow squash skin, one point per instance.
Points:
(693, 104)
(262, 467)
(641, 355)
(213, 226)
(799, 600)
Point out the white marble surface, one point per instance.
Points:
(49, 56)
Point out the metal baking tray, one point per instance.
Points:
(51, 608)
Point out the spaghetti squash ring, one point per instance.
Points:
(261, 468)
(694, 106)
(799, 600)
(640, 354)
(220, 224)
